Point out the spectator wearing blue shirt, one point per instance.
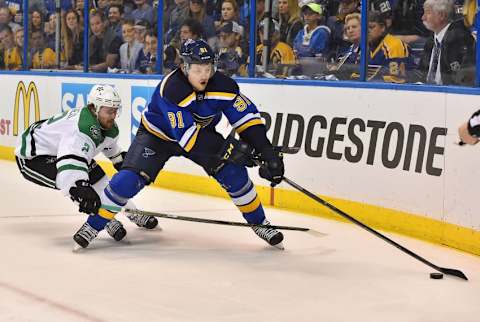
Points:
(313, 39)
(198, 12)
(143, 11)
(147, 58)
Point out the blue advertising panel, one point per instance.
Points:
(141, 96)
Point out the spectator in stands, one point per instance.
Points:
(130, 49)
(103, 5)
(143, 11)
(11, 56)
(339, 42)
(449, 55)
(313, 40)
(36, 21)
(141, 28)
(385, 8)
(147, 58)
(197, 12)
(18, 17)
(231, 59)
(260, 7)
(282, 57)
(190, 29)
(50, 30)
(387, 52)
(103, 47)
(177, 16)
(6, 18)
(290, 22)
(19, 39)
(72, 37)
(115, 13)
(347, 62)
(44, 57)
(79, 8)
(229, 13)
(128, 7)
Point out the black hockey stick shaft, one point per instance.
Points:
(448, 271)
(220, 222)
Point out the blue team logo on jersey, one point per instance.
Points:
(147, 152)
(141, 96)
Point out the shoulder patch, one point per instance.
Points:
(175, 87)
(222, 83)
(88, 125)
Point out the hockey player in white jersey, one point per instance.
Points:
(59, 153)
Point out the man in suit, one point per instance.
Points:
(449, 55)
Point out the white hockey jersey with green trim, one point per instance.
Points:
(74, 137)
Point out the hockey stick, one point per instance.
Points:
(212, 221)
(448, 271)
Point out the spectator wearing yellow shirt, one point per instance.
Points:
(281, 54)
(11, 55)
(44, 57)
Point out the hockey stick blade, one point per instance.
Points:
(452, 271)
(222, 222)
(447, 271)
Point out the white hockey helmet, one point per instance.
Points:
(104, 95)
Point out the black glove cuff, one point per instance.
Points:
(256, 137)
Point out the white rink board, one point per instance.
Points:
(440, 189)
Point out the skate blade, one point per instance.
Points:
(279, 246)
(77, 248)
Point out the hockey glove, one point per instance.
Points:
(118, 160)
(271, 167)
(233, 151)
(474, 124)
(87, 198)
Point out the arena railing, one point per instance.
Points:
(252, 75)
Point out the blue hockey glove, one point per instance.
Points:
(87, 198)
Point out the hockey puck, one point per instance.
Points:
(436, 276)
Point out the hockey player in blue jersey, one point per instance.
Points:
(180, 121)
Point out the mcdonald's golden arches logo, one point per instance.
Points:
(26, 94)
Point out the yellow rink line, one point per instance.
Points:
(435, 231)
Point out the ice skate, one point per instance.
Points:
(116, 230)
(84, 236)
(270, 235)
(143, 221)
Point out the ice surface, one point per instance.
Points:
(200, 272)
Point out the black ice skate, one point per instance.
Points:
(143, 221)
(270, 235)
(115, 229)
(84, 236)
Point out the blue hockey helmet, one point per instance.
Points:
(197, 52)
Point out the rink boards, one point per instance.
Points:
(387, 157)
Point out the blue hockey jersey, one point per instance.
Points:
(177, 112)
